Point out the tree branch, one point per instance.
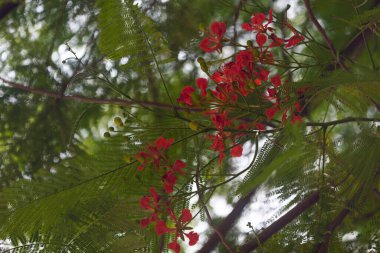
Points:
(7, 8)
(281, 222)
(323, 246)
(324, 34)
(342, 121)
(90, 100)
(227, 223)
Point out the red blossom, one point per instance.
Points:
(174, 246)
(294, 40)
(178, 166)
(296, 118)
(145, 202)
(257, 22)
(144, 222)
(186, 216)
(237, 151)
(244, 59)
(215, 37)
(185, 96)
(284, 117)
(276, 80)
(154, 153)
(261, 39)
(161, 228)
(193, 238)
(169, 181)
(202, 85)
(297, 106)
(260, 126)
(276, 41)
(270, 112)
(163, 143)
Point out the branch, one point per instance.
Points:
(342, 121)
(227, 223)
(323, 246)
(281, 222)
(7, 8)
(324, 34)
(90, 100)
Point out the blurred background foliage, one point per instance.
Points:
(68, 182)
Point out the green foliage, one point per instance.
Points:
(69, 181)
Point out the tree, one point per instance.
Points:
(104, 149)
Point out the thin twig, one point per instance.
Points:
(324, 34)
(209, 218)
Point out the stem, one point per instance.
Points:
(281, 222)
(324, 34)
(92, 100)
(209, 218)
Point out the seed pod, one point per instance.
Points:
(118, 122)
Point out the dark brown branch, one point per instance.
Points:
(227, 223)
(91, 100)
(322, 247)
(7, 8)
(324, 34)
(281, 222)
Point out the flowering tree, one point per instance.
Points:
(302, 113)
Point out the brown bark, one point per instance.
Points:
(281, 223)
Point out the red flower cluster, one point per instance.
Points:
(215, 37)
(240, 78)
(158, 205)
(154, 153)
(233, 84)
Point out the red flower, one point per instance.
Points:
(284, 117)
(193, 238)
(296, 118)
(276, 80)
(178, 165)
(174, 246)
(271, 112)
(144, 222)
(257, 22)
(185, 96)
(215, 37)
(297, 106)
(169, 181)
(186, 216)
(154, 153)
(261, 39)
(202, 85)
(161, 228)
(145, 202)
(237, 151)
(294, 40)
(260, 126)
(245, 59)
(276, 41)
(162, 143)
